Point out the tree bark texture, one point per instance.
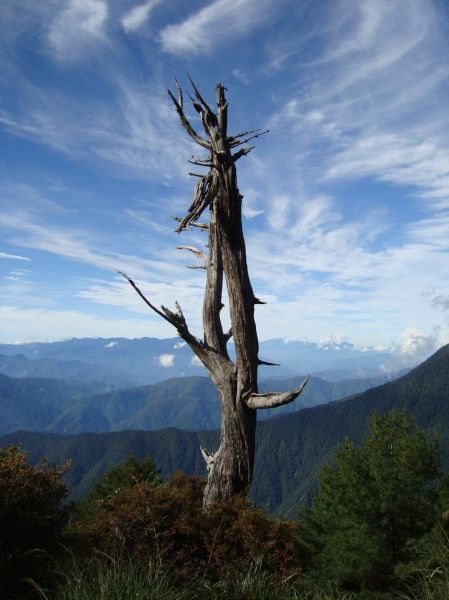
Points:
(230, 467)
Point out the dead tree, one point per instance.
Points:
(230, 468)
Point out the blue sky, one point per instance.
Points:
(346, 209)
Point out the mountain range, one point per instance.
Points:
(19, 365)
(125, 363)
(290, 448)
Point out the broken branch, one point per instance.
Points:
(228, 335)
(274, 399)
(196, 252)
(180, 98)
(268, 364)
(205, 191)
(186, 124)
(209, 458)
(144, 298)
(202, 226)
(198, 95)
(176, 319)
(236, 142)
(242, 152)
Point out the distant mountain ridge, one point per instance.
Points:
(289, 450)
(18, 365)
(145, 361)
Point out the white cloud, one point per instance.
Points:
(15, 275)
(335, 272)
(280, 211)
(417, 344)
(12, 256)
(219, 21)
(431, 231)
(138, 15)
(195, 362)
(415, 347)
(251, 205)
(241, 76)
(111, 345)
(79, 24)
(39, 324)
(166, 360)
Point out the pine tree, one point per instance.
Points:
(372, 501)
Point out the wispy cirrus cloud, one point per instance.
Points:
(139, 133)
(114, 116)
(118, 293)
(373, 98)
(408, 160)
(25, 231)
(12, 256)
(212, 25)
(138, 16)
(76, 27)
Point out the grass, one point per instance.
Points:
(430, 574)
(122, 578)
(114, 578)
(118, 578)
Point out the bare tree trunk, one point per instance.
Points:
(230, 468)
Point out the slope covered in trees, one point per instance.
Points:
(188, 403)
(290, 448)
(34, 403)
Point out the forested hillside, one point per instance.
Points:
(33, 403)
(192, 403)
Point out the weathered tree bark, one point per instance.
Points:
(230, 468)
